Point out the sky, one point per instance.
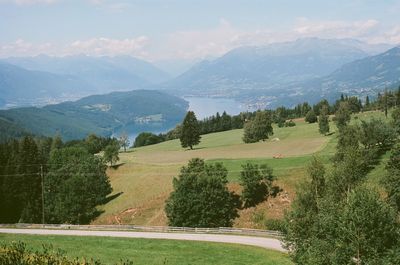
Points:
(162, 30)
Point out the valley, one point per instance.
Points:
(144, 177)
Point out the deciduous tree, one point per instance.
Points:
(201, 198)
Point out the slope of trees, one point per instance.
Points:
(74, 179)
(336, 218)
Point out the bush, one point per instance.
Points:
(311, 117)
(147, 138)
(290, 123)
(17, 254)
(275, 225)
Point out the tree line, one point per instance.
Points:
(282, 116)
(46, 180)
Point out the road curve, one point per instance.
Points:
(268, 243)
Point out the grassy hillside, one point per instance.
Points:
(150, 251)
(144, 178)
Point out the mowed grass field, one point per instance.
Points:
(144, 178)
(152, 251)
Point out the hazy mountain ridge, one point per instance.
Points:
(91, 75)
(268, 67)
(19, 86)
(101, 114)
(361, 77)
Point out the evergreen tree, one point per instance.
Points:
(201, 197)
(367, 103)
(323, 121)
(398, 97)
(190, 134)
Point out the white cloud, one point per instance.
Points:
(208, 43)
(335, 29)
(29, 2)
(23, 48)
(112, 6)
(93, 47)
(106, 46)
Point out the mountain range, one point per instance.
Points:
(267, 76)
(53, 79)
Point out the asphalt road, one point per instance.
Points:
(268, 243)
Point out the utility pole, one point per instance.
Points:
(41, 175)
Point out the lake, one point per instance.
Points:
(203, 107)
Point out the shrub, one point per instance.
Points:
(290, 123)
(17, 253)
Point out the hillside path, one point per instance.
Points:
(268, 243)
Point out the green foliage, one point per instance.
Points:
(391, 181)
(396, 119)
(311, 117)
(336, 219)
(110, 250)
(275, 225)
(20, 190)
(256, 181)
(201, 198)
(367, 227)
(323, 121)
(111, 153)
(75, 184)
(18, 254)
(377, 134)
(290, 123)
(260, 128)
(147, 138)
(190, 134)
(342, 116)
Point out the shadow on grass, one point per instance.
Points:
(116, 166)
(111, 197)
(194, 148)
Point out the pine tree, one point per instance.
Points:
(367, 103)
(190, 134)
(398, 97)
(323, 121)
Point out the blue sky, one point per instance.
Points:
(185, 29)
